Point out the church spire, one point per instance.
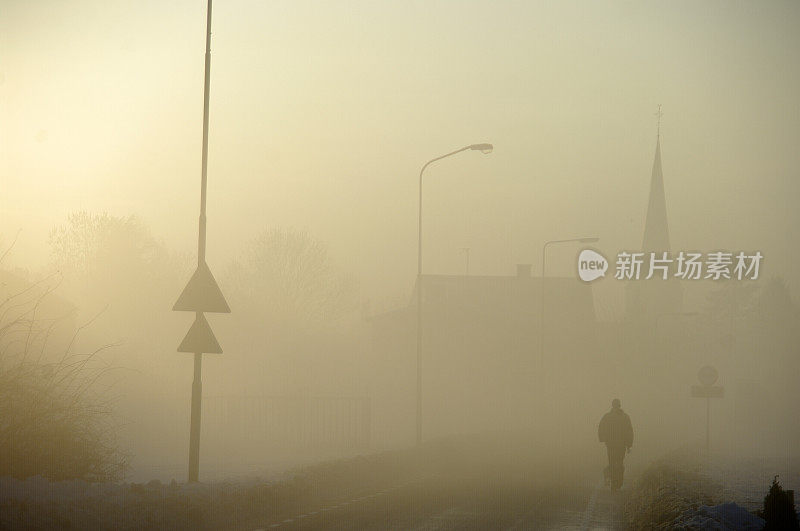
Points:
(646, 301)
(658, 115)
(656, 229)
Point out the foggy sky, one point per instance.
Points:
(323, 113)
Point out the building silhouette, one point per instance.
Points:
(481, 348)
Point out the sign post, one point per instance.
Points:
(201, 294)
(708, 377)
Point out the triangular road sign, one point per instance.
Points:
(200, 339)
(202, 294)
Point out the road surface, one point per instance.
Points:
(483, 501)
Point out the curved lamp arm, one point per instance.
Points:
(484, 148)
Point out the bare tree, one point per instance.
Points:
(116, 263)
(290, 308)
(107, 252)
(287, 276)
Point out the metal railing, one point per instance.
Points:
(296, 422)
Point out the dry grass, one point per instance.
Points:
(53, 423)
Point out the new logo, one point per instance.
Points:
(591, 265)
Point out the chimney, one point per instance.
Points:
(523, 270)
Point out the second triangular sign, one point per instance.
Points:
(200, 338)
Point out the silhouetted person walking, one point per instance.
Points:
(617, 432)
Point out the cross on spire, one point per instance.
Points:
(659, 114)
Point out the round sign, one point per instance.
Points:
(707, 375)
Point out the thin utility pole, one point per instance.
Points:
(197, 382)
(708, 426)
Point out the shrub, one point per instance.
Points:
(779, 511)
(51, 422)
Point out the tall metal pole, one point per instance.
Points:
(419, 314)
(708, 427)
(486, 148)
(541, 318)
(194, 429)
(197, 383)
(541, 296)
(541, 306)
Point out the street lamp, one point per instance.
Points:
(485, 149)
(541, 298)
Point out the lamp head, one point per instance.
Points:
(483, 148)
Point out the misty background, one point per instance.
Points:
(321, 116)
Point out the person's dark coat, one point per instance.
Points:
(615, 428)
